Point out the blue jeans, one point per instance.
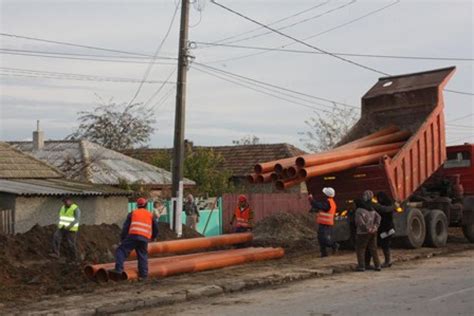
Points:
(325, 239)
(141, 248)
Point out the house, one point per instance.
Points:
(239, 160)
(84, 161)
(31, 192)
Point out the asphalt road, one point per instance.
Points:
(437, 286)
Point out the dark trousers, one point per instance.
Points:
(385, 243)
(325, 239)
(364, 243)
(123, 251)
(70, 239)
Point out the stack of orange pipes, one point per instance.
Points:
(288, 172)
(165, 266)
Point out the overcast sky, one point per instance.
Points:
(220, 111)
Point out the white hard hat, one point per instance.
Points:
(329, 192)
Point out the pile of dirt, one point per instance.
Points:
(27, 271)
(294, 232)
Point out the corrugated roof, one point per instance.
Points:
(57, 187)
(86, 161)
(17, 165)
(239, 160)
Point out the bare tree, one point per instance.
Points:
(326, 130)
(116, 126)
(247, 140)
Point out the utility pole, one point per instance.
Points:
(178, 153)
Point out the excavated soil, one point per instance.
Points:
(27, 271)
(294, 232)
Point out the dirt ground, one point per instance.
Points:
(28, 275)
(27, 271)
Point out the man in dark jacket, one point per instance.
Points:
(325, 210)
(139, 228)
(384, 206)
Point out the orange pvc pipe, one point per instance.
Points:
(252, 178)
(183, 245)
(341, 165)
(275, 176)
(270, 165)
(282, 184)
(391, 138)
(264, 177)
(292, 171)
(386, 131)
(211, 261)
(322, 158)
(98, 272)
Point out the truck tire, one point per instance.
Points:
(468, 218)
(468, 231)
(436, 229)
(416, 229)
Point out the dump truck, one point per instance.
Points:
(434, 184)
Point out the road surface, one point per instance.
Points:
(437, 286)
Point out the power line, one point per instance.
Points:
(295, 23)
(150, 65)
(16, 50)
(73, 44)
(312, 36)
(335, 53)
(460, 118)
(18, 72)
(276, 86)
(459, 92)
(159, 89)
(261, 91)
(273, 23)
(86, 59)
(300, 41)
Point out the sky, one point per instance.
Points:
(219, 111)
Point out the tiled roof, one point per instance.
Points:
(86, 161)
(15, 164)
(239, 160)
(57, 187)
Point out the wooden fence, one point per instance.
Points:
(6, 222)
(265, 204)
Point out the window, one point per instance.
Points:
(460, 159)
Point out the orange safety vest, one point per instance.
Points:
(141, 223)
(242, 217)
(327, 218)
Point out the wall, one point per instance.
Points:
(265, 204)
(44, 210)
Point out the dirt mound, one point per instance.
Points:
(27, 271)
(295, 232)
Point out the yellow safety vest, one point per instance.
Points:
(66, 217)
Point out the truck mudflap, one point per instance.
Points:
(342, 229)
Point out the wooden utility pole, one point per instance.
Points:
(178, 153)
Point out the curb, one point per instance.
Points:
(167, 299)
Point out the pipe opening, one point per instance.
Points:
(258, 168)
(300, 162)
(89, 272)
(102, 276)
(278, 168)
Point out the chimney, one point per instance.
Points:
(38, 138)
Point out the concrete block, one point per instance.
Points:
(233, 286)
(120, 307)
(166, 299)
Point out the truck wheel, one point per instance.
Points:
(436, 229)
(416, 229)
(468, 231)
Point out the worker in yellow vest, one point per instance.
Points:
(325, 210)
(68, 226)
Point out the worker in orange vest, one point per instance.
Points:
(139, 228)
(325, 210)
(242, 219)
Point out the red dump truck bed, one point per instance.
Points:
(413, 102)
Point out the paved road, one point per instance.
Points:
(437, 286)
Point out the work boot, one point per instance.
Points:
(335, 248)
(388, 261)
(360, 269)
(378, 269)
(53, 255)
(115, 274)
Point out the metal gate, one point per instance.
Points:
(6, 222)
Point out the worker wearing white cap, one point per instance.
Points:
(325, 209)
